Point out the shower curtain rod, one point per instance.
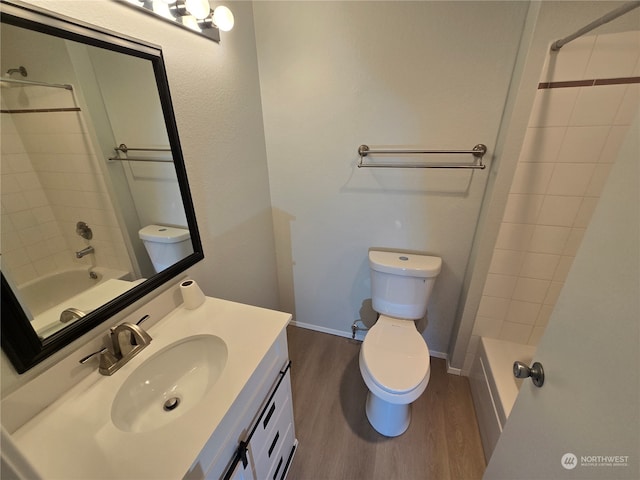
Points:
(612, 15)
(38, 84)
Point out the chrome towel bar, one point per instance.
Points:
(124, 149)
(478, 152)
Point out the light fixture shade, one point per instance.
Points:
(198, 8)
(223, 18)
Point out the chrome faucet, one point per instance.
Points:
(69, 314)
(84, 251)
(127, 340)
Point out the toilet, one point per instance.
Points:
(165, 245)
(394, 358)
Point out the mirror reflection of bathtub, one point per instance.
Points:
(78, 289)
(494, 388)
(88, 139)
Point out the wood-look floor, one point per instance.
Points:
(336, 440)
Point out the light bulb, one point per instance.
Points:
(198, 8)
(223, 18)
(162, 9)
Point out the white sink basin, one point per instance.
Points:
(169, 383)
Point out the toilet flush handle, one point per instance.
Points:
(536, 372)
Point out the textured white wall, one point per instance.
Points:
(335, 75)
(216, 99)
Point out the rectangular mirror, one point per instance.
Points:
(96, 209)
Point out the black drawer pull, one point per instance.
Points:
(275, 474)
(268, 417)
(273, 444)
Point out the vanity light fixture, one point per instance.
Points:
(194, 15)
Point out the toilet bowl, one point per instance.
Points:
(394, 357)
(394, 363)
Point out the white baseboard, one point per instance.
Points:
(330, 331)
(452, 370)
(360, 336)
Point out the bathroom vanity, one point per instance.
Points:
(210, 397)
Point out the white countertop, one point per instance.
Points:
(76, 438)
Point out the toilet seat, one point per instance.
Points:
(395, 357)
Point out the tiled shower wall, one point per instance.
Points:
(587, 98)
(49, 181)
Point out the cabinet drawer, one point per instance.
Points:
(266, 453)
(281, 459)
(281, 398)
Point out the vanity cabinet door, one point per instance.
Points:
(238, 473)
(268, 449)
(273, 432)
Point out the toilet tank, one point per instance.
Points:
(401, 283)
(165, 245)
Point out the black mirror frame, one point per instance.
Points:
(19, 341)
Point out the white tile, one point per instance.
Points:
(23, 219)
(487, 327)
(553, 107)
(544, 315)
(523, 312)
(11, 143)
(539, 265)
(522, 208)
(14, 202)
(514, 236)
(536, 335)
(570, 62)
(614, 55)
(37, 199)
(570, 179)
(616, 136)
(531, 290)
(9, 183)
(24, 274)
(493, 307)
(17, 260)
(562, 270)
(16, 163)
(514, 332)
(598, 180)
(45, 266)
(596, 105)
(542, 144)
(559, 210)
(573, 242)
(585, 212)
(499, 285)
(549, 239)
(532, 177)
(506, 262)
(553, 293)
(583, 144)
(30, 236)
(629, 107)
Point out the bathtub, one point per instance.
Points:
(48, 296)
(46, 292)
(494, 388)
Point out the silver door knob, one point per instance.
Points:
(536, 372)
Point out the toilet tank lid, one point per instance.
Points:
(163, 234)
(408, 264)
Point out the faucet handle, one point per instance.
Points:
(84, 360)
(146, 317)
(107, 360)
